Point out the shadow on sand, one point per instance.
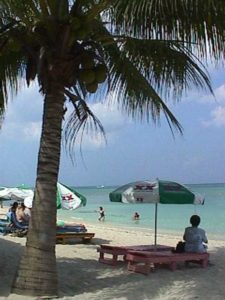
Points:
(10, 253)
(79, 277)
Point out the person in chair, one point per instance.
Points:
(195, 237)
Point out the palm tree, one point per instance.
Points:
(141, 50)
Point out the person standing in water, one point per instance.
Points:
(136, 216)
(101, 214)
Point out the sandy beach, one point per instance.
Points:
(82, 277)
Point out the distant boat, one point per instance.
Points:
(100, 187)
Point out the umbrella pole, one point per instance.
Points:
(156, 213)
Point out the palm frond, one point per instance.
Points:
(3, 101)
(134, 91)
(168, 65)
(137, 95)
(82, 120)
(200, 23)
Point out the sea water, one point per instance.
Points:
(170, 218)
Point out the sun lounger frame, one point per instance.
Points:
(85, 236)
(113, 252)
(145, 261)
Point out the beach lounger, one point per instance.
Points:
(71, 228)
(16, 224)
(109, 254)
(11, 225)
(5, 226)
(145, 261)
(65, 236)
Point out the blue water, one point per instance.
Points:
(170, 217)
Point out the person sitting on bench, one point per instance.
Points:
(195, 238)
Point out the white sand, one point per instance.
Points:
(82, 277)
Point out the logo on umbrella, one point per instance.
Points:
(67, 197)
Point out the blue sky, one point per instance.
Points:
(133, 151)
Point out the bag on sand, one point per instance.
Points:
(180, 247)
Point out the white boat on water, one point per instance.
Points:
(100, 187)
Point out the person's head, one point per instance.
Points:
(195, 220)
(14, 206)
(22, 206)
(100, 207)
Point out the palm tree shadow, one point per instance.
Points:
(99, 241)
(94, 241)
(10, 253)
(78, 277)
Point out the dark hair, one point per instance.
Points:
(195, 220)
(15, 205)
(22, 205)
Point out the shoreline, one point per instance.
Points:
(150, 231)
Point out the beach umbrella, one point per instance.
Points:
(159, 191)
(66, 198)
(15, 193)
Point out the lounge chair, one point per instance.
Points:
(71, 228)
(16, 224)
(5, 226)
(85, 236)
(79, 231)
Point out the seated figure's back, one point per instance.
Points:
(195, 237)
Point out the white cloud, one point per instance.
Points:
(32, 131)
(24, 113)
(109, 115)
(217, 117)
(217, 114)
(219, 93)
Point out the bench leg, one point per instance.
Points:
(204, 263)
(173, 266)
(109, 261)
(61, 240)
(139, 268)
(86, 240)
(101, 256)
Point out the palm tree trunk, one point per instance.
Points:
(37, 274)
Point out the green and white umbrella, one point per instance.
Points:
(67, 198)
(159, 191)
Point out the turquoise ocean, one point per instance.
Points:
(171, 218)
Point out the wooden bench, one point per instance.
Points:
(85, 236)
(113, 252)
(145, 261)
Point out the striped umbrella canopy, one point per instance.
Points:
(159, 191)
(15, 193)
(66, 198)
